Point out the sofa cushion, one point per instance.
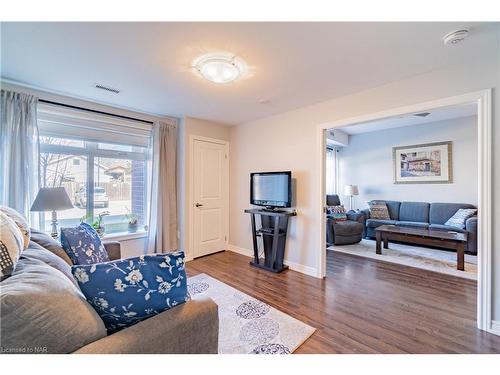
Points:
(45, 241)
(379, 210)
(373, 223)
(446, 228)
(439, 213)
(392, 206)
(126, 291)
(413, 224)
(83, 245)
(41, 308)
(20, 221)
(11, 245)
(414, 211)
(35, 251)
(460, 217)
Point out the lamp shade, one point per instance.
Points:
(351, 190)
(51, 199)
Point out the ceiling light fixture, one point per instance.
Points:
(221, 67)
(456, 36)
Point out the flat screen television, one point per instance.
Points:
(271, 189)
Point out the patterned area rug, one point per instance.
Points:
(247, 325)
(420, 257)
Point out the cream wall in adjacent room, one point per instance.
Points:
(288, 141)
(367, 162)
(192, 126)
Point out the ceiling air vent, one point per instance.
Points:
(106, 88)
(422, 114)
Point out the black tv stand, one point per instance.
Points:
(272, 209)
(273, 232)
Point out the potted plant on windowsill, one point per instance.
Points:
(96, 223)
(133, 221)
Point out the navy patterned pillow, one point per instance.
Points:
(83, 245)
(126, 291)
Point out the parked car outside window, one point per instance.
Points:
(100, 197)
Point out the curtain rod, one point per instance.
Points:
(94, 111)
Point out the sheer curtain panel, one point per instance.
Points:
(19, 151)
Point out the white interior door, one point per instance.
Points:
(210, 204)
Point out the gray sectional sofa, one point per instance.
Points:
(44, 311)
(424, 215)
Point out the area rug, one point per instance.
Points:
(419, 257)
(247, 325)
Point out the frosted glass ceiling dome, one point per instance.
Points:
(221, 67)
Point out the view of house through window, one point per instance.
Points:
(118, 180)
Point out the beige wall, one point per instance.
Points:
(192, 126)
(288, 142)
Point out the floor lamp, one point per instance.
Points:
(350, 191)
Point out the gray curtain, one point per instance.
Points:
(163, 219)
(19, 151)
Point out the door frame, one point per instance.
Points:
(192, 139)
(484, 104)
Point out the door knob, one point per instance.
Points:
(198, 205)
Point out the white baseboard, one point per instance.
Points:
(239, 250)
(310, 271)
(495, 327)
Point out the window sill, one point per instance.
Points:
(124, 236)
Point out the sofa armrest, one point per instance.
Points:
(113, 249)
(356, 216)
(191, 328)
(471, 224)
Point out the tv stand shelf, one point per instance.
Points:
(273, 232)
(269, 232)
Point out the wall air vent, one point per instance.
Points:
(422, 114)
(106, 88)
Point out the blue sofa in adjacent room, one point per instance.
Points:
(424, 215)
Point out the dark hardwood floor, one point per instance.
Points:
(364, 306)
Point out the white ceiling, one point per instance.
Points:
(440, 114)
(292, 64)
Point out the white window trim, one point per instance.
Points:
(124, 236)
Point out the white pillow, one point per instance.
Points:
(11, 245)
(459, 218)
(20, 221)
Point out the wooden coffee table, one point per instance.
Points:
(427, 237)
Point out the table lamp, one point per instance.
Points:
(351, 191)
(52, 199)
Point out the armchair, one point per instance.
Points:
(344, 232)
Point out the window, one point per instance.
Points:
(100, 178)
(331, 170)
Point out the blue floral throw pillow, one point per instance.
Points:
(83, 245)
(126, 291)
